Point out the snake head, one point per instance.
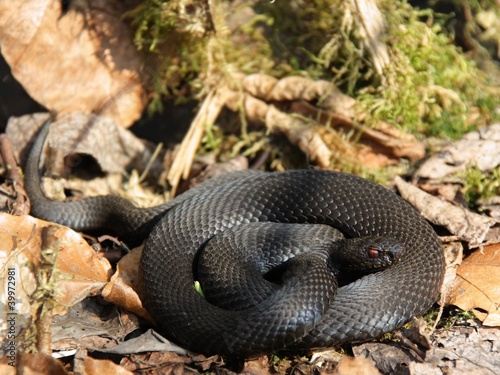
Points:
(367, 254)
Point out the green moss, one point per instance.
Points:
(479, 184)
(433, 88)
(212, 139)
(429, 87)
(452, 316)
(173, 36)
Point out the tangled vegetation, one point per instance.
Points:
(480, 185)
(430, 86)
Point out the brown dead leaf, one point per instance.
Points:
(81, 271)
(32, 364)
(5, 368)
(294, 88)
(356, 366)
(123, 286)
(104, 366)
(465, 224)
(92, 324)
(257, 366)
(374, 147)
(294, 128)
(165, 360)
(453, 254)
(81, 60)
(378, 146)
(477, 285)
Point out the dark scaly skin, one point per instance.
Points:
(365, 309)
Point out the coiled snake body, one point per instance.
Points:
(375, 304)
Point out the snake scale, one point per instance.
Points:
(372, 305)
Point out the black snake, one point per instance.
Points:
(221, 208)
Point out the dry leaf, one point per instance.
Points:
(32, 364)
(387, 357)
(453, 254)
(297, 130)
(89, 271)
(123, 286)
(465, 224)
(81, 272)
(257, 366)
(5, 368)
(461, 350)
(80, 60)
(150, 341)
(378, 146)
(167, 361)
(270, 89)
(478, 149)
(477, 285)
(102, 366)
(91, 324)
(356, 366)
(113, 147)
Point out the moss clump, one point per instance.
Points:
(452, 316)
(173, 35)
(429, 85)
(480, 185)
(432, 87)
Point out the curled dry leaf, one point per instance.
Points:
(465, 224)
(76, 54)
(150, 341)
(476, 149)
(476, 287)
(378, 146)
(387, 357)
(113, 147)
(295, 129)
(296, 88)
(80, 271)
(124, 285)
(375, 146)
(453, 254)
(91, 324)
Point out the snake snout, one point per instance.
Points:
(384, 251)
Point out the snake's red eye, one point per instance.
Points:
(373, 253)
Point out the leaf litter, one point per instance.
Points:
(474, 288)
